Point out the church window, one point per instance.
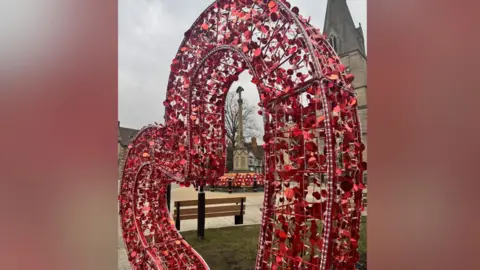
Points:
(333, 42)
(243, 162)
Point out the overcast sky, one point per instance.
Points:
(150, 32)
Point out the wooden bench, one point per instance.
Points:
(185, 210)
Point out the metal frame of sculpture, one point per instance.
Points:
(313, 150)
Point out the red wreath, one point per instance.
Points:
(247, 182)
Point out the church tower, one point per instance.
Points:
(349, 44)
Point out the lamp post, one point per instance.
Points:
(201, 212)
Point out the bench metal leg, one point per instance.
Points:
(239, 218)
(201, 214)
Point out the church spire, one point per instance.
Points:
(340, 28)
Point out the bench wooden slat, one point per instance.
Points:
(215, 209)
(211, 201)
(211, 215)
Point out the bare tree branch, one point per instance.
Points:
(250, 128)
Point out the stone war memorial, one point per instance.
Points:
(246, 175)
(314, 169)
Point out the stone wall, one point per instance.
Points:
(240, 160)
(357, 64)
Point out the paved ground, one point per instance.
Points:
(252, 215)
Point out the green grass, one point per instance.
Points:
(235, 248)
(232, 248)
(362, 243)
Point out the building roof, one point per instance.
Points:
(125, 135)
(339, 22)
(257, 151)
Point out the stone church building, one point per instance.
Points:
(348, 41)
